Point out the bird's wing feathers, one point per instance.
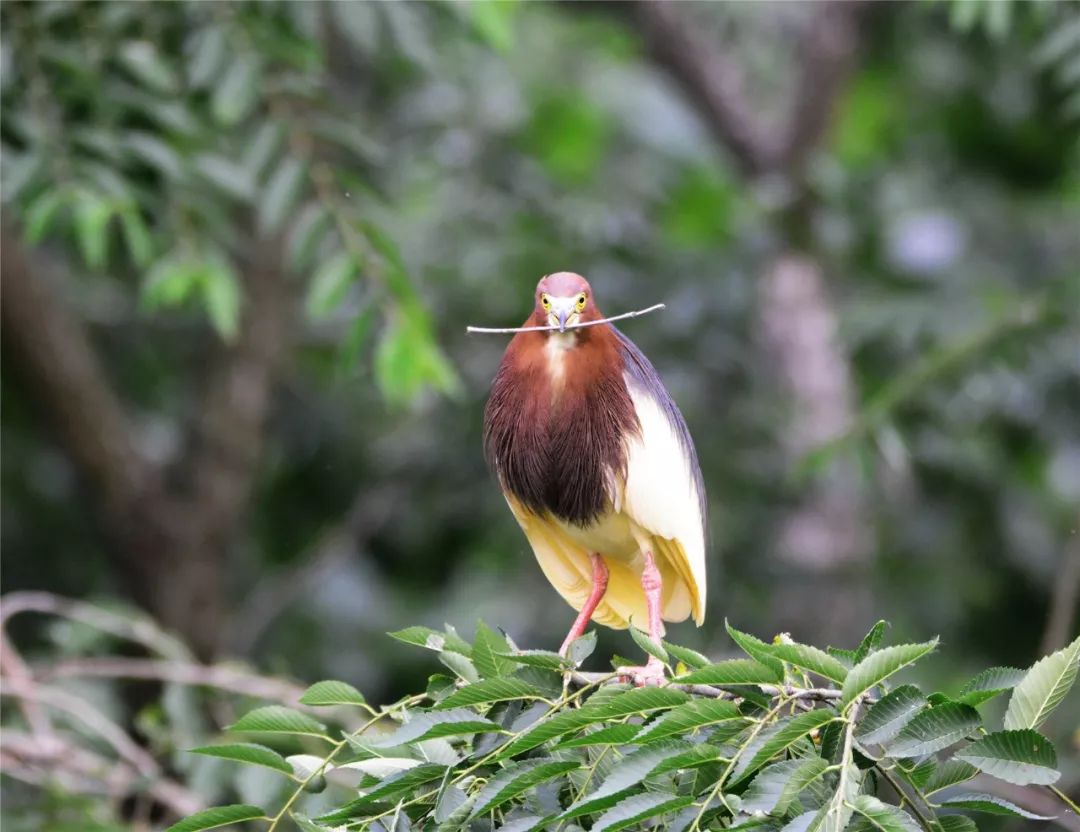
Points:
(664, 494)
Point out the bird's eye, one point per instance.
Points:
(581, 302)
(545, 302)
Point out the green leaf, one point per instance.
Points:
(1023, 757)
(208, 58)
(488, 647)
(221, 295)
(691, 658)
(755, 648)
(688, 717)
(581, 648)
(332, 692)
(991, 805)
(395, 786)
(628, 772)
(277, 719)
(431, 724)
(882, 816)
(653, 648)
(281, 194)
(230, 178)
(143, 60)
(879, 666)
(780, 737)
(433, 640)
(312, 223)
(235, 95)
(934, 729)
(949, 773)
(1043, 688)
(990, 683)
(638, 808)
(151, 150)
(495, 689)
(871, 642)
(732, 672)
(246, 752)
(137, 238)
(956, 823)
(408, 361)
(92, 215)
(618, 734)
(40, 214)
(811, 658)
(330, 283)
(890, 714)
(516, 779)
(623, 703)
(542, 659)
(218, 816)
(837, 812)
(776, 786)
(463, 667)
(493, 20)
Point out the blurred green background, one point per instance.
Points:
(241, 244)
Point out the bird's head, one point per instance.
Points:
(563, 298)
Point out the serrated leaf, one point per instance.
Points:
(1043, 688)
(431, 724)
(732, 672)
(653, 648)
(622, 703)
(332, 692)
(755, 648)
(890, 714)
(306, 824)
(218, 816)
(281, 194)
(882, 816)
(330, 283)
(691, 658)
(920, 774)
(618, 734)
(871, 641)
(488, 647)
(1023, 757)
(433, 639)
(277, 719)
(462, 666)
(991, 805)
(628, 772)
(780, 737)
(879, 666)
(397, 785)
(688, 717)
(990, 683)
(496, 689)
(246, 752)
(934, 729)
(542, 659)
(812, 659)
(949, 773)
(776, 786)
(516, 779)
(638, 808)
(837, 812)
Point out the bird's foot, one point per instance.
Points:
(651, 675)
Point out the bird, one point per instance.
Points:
(598, 466)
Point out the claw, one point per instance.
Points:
(651, 675)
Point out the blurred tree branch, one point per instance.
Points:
(171, 543)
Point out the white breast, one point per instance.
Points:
(556, 347)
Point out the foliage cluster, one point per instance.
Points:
(790, 737)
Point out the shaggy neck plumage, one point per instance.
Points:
(555, 431)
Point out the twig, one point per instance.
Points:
(785, 691)
(582, 325)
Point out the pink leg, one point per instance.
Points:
(599, 587)
(653, 671)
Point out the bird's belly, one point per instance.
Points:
(612, 535)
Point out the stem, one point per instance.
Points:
(1065, 799)
(924, 822)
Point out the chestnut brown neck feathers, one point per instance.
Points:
(556, 422)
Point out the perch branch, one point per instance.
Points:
(567, 327)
